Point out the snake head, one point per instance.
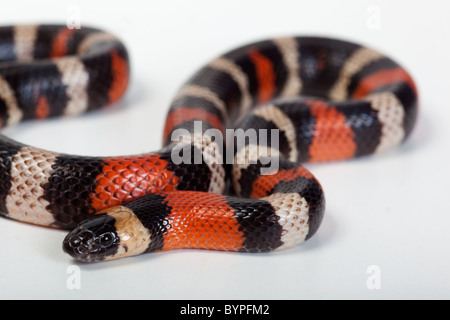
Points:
(93, 239)
(113, 233)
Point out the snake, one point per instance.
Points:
(229, 175)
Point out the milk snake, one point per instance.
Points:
(329, 99)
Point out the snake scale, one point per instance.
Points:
(323, 99)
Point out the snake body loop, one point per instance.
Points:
(325, 99)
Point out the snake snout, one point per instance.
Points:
(93, 240)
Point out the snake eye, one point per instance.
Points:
(106, 239)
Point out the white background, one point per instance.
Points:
(391, 211)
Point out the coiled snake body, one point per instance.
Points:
(328, 100)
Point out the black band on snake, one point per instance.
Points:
(325, 99)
